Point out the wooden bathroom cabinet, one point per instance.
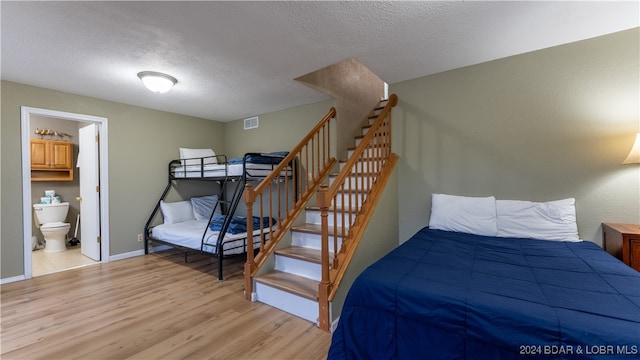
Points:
(51, 160)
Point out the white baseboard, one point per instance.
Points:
(11, 279)
(137, 253)
(126, 255)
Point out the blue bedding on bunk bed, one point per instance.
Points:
(238, 224)
(272, 158)
(448, 295)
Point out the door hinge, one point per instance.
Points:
(99, 238)
(98, 138)
(98, 188)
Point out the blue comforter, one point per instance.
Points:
(238, 224)
(446, 295)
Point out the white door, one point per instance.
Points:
(88, 162)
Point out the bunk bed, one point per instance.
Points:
(493, 279)
(209, 224)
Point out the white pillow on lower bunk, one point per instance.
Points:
(551, 220)
(473, 215)
(176, 212)
(208, 155)
(203, 206)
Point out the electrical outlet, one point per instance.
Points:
(140, 238)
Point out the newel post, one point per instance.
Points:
(323, 287)
(249, 197)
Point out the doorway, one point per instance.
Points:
(93, 213)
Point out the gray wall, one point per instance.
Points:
(545, 125)
(278, 131)
(141, 143)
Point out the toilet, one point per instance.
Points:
(50, 218)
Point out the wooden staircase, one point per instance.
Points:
(293, 284)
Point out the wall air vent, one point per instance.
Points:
(251, 123)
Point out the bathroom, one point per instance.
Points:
(54, 259)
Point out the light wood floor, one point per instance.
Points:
(149, 307)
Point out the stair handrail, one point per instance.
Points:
(374, 150)
(303, 168)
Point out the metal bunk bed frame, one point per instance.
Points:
(228, 207)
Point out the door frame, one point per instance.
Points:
(25, 118)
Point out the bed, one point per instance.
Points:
(209, 224)
(189, 235)
(252, 165)
(448, 293)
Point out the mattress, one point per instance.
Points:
(222, 170)
(448, 295)
(188, 234)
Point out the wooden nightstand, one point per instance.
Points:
(623, 241)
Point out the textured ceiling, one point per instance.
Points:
(238, 59)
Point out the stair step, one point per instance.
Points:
(312, 228)
(381, 146)
(351, 175)
(362, 166)
(368, 153)
(313, 215)
(356, 192)
(364, 159)
(301, 261)
(331, 209)
(356, 180)
(290, 283)
(301, 253)
(359, 137)
(372, 118)
(310, 236)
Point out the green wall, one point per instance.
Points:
(540, 126)
(278, 131)
(141, 144)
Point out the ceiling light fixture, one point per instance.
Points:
(156, 81)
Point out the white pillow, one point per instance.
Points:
(208, 154)
(552, 220)
(176, 212)
(203, 206)
(473, 215)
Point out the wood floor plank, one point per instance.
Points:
(149, 307)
